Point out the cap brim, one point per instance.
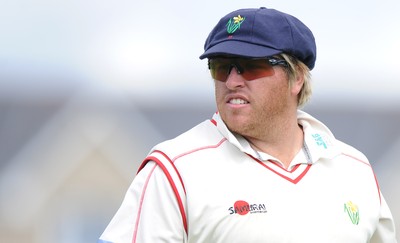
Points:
(239, 48)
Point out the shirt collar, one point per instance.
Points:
(237, 140)
(318, 140)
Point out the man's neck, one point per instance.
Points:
(283, 141)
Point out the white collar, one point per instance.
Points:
(318, 141)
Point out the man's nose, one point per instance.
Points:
(235, 78)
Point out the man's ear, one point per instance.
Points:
(298, 83)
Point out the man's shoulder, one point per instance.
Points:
(318, 128)
(351, 152)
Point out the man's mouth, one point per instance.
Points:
(238, 101)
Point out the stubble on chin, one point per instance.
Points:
(251, 126)
(242, 126)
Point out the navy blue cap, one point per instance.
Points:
(261, 32)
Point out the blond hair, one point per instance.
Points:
(294, 69)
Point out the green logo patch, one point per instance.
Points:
(234, 24)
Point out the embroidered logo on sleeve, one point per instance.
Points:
(352, 210)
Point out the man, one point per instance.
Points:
(260, 170)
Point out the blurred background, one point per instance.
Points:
(87, 88)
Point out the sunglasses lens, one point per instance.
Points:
(220, 69)
(255, 69)
(250, 69)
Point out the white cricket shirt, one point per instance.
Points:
(208, 185)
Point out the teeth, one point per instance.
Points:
(238, 102)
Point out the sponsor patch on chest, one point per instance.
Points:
(241, 207)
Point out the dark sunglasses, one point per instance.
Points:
(250, 69)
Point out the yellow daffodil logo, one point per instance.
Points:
(234, 24)
(353, 212)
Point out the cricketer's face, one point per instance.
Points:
(251, 107)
